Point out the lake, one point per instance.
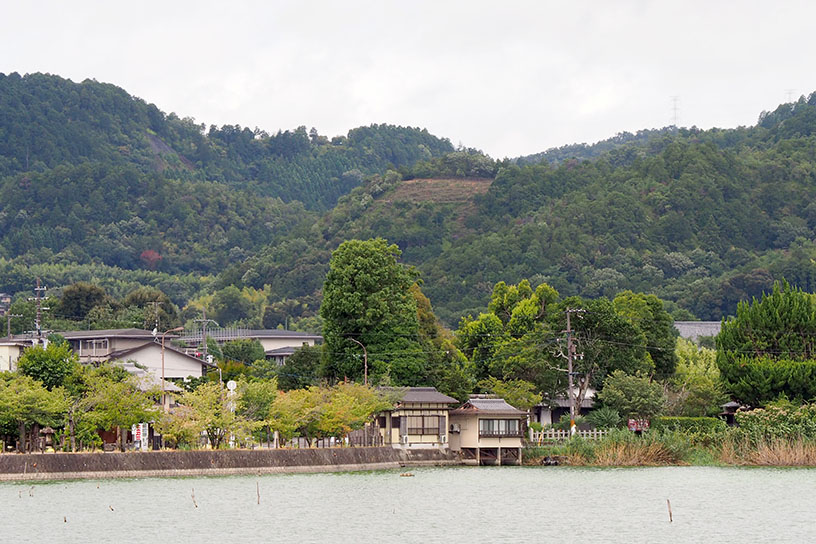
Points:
(455, 504)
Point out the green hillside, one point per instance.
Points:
(90, 174)
(46, 121)
(703, 219)
(100, 186)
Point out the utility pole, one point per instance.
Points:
(571, 355)
(38, 318)
(155, 304)
(8, 322)
(204, 322)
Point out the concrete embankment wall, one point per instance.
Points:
(61, 466)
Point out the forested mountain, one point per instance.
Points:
(46, 121)
(584, 151)
(90, 174)
(703, 219)
(99, 186)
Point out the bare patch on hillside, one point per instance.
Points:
(438, 190)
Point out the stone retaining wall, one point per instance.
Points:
(61, 466)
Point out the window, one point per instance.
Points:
(499, 427)
(423, 424)
(94, 347)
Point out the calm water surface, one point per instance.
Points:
(451, 505)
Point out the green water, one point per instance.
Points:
(452, 505)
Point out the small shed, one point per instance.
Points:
(487, 431)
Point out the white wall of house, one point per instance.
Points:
(468, 435)
(9, 353)
(176, 365)
(277, 343)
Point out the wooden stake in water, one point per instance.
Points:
(668, 502)
(193, 496)
(258, 490)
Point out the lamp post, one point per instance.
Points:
(164, 397)
(365, 359)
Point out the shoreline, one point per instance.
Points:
(170, 464)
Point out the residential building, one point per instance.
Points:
(419, 418)
(278, 344)
(550, 411)
(10, 351)
(137, 345)
(97, 346)
(487, 430)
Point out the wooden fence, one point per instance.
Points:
(556, 435)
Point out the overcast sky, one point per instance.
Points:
(509, 78)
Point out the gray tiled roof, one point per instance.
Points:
(107, 333)
(694, 329)
(490, 406)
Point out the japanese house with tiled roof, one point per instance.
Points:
(487, 431)
(419, 418)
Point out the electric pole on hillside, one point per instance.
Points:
(8, 322)
(38, 298)
(571, 356)
(155, 304)
(204, 322)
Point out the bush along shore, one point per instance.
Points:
(774, 436)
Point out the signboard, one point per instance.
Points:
(140, 436)
(145, 432)
(638, 425)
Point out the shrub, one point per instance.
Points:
(632, 396)
(776, 423)
(604, 418)
(688, 424)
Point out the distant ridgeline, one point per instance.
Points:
(703, 219)
(91, 174)
(98, 185)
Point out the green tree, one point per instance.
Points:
(25, 402)
(647, 313)
(347, 407)
(297, 413)
(51, 365)
(695, 389)
(230, 305)
(118, 405)
(367, 298)
(517, 393)
(767, 350)
(156, 306)
(635, 397)
(79, 298)
(300, 369)
(243, 350)
(255, 404)
(211, 410)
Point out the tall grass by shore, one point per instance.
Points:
(665, 448)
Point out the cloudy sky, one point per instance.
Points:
(509, 78)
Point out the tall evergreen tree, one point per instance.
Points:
(369, 311)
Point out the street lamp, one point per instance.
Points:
(164, 397)
(365, 358)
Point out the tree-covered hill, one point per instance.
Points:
(100, 186)
(703, 219)
(91, 174)
(46, 121)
